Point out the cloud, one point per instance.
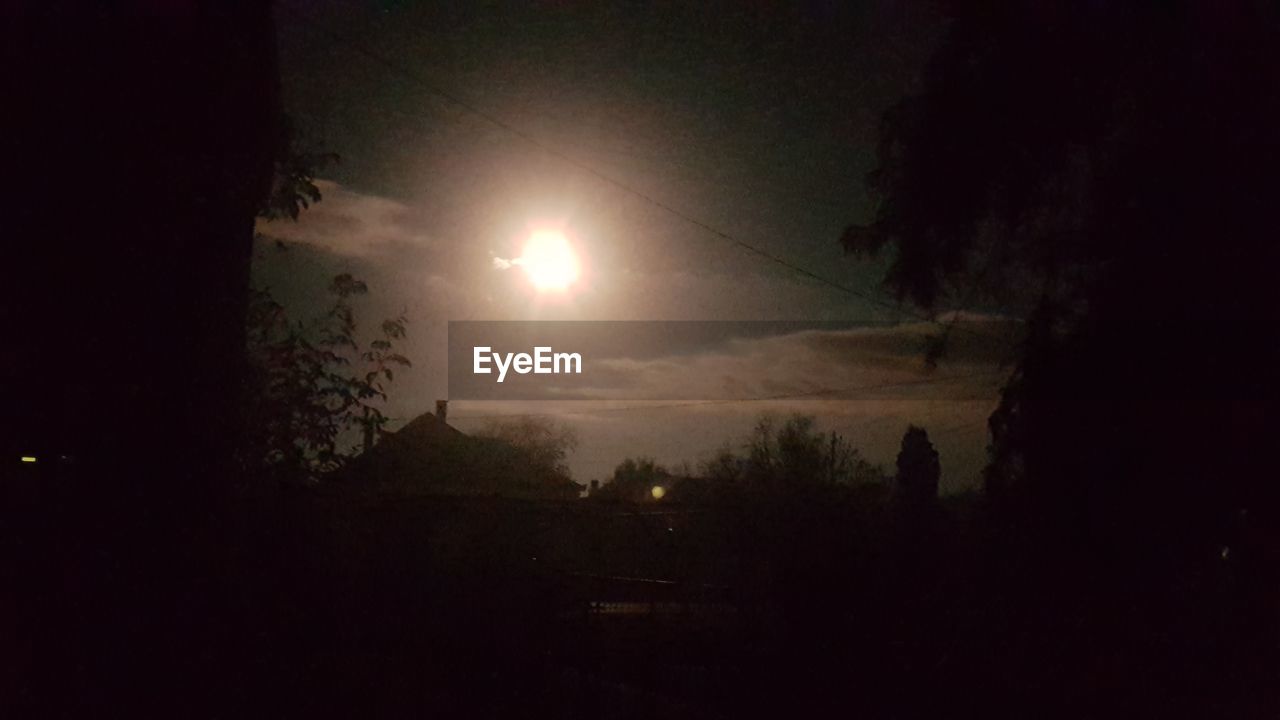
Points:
(878, 376)
(352, 224)
(878, 371)
(393, 246)
(868, 362)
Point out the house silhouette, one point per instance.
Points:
(429, 456)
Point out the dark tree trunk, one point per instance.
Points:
(137, 146)
(143, 148)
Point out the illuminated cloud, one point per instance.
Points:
(396, 249)
(352, 224)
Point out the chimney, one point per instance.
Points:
(442, 410)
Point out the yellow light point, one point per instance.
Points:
(28, 458)
(549, 261)
(658, 492)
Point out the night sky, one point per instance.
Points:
(759, 122)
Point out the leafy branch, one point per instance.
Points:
(314, 383)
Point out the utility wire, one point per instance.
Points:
(598, 149)
(498, 122)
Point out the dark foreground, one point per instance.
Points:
(340, 603)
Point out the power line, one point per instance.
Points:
(606, 178)
(667, 159)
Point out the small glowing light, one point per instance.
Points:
(549, 260)
(28, 458)
(658, 491)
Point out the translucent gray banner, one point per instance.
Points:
(701, 360)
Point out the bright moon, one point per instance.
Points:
(549, 261)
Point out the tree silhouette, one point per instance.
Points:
(633, 480)
(537, 451)
(918, 469)
(293, 187)
(314, 382)
(795, 454)
(1098, 171)
(724, 467)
